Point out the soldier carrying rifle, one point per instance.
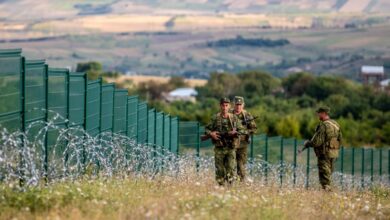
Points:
(225, 130)
(326, 143)
(248, 122)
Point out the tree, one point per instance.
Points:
(92, 68)
(176, 82)
(256, 83)
(288, 127)
(220, 85)
(297, 84)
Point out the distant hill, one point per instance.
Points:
(45, 9)
(195, 37)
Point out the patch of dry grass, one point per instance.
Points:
(194, 197)
(137, 79)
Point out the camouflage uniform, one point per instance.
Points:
(326, 143)
(242, 150)
(225, 148)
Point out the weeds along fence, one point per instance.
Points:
(32, 92)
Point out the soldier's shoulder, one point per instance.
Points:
(320, 125)
(215, 116)
(331, 122)
(248, 114)
(233, 116)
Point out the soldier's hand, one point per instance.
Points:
(215, 135)
(233, 133)
(305, 143)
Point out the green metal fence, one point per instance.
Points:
(33, 94)
(360, 163)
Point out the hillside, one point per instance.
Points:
(22, 9)
(177, 37)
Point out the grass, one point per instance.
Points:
(192, 197)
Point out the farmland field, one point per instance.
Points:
(171, 37)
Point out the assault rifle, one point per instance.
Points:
(225, 135)
(222, 136)
(246, 121)
(305, 146)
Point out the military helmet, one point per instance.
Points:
(224, 100)
(325, 109)
(238, 100)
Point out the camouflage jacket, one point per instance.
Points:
(225, 125)
(326, 140)
(249, 126)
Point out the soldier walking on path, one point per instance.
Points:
(326, 142)
(250, 128)
(224, 130)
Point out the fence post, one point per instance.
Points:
(155, 135)
(307, 167)
(362, 167)
(22, 102)
(380, 164)
(353, 166)
(266, 158)
(372, 165)
(197, 146)
(281, 170)
(178, 135)
(251, 154)
(295, 162)
(67, 115)
(46, 153)
(342, 167)
(85, 117)
(170, 135)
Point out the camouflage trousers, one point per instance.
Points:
(242, 158)
(225, 164)
(325, 170)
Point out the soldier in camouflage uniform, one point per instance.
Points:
(250, 128)
(224, 130)
(326, 142)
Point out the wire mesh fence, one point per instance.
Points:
(32, 95)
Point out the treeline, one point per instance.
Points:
(255, 42)
(285, 106)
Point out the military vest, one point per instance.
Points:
(224, 125)
(332, 138)
(243, 116)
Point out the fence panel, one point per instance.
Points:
(92, 125)
(120, 111)
(174, 146)
(151, 126)
(142, 123)
(132, 117)
(107, 107)
(159, 129)
(57, 102)
(77, 99)
(11, 70)
(167, 131)
(188, 137)
(35, 98)
(206, 147)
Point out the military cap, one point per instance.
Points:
(238, 100)
(325, 109)
(224, 100)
